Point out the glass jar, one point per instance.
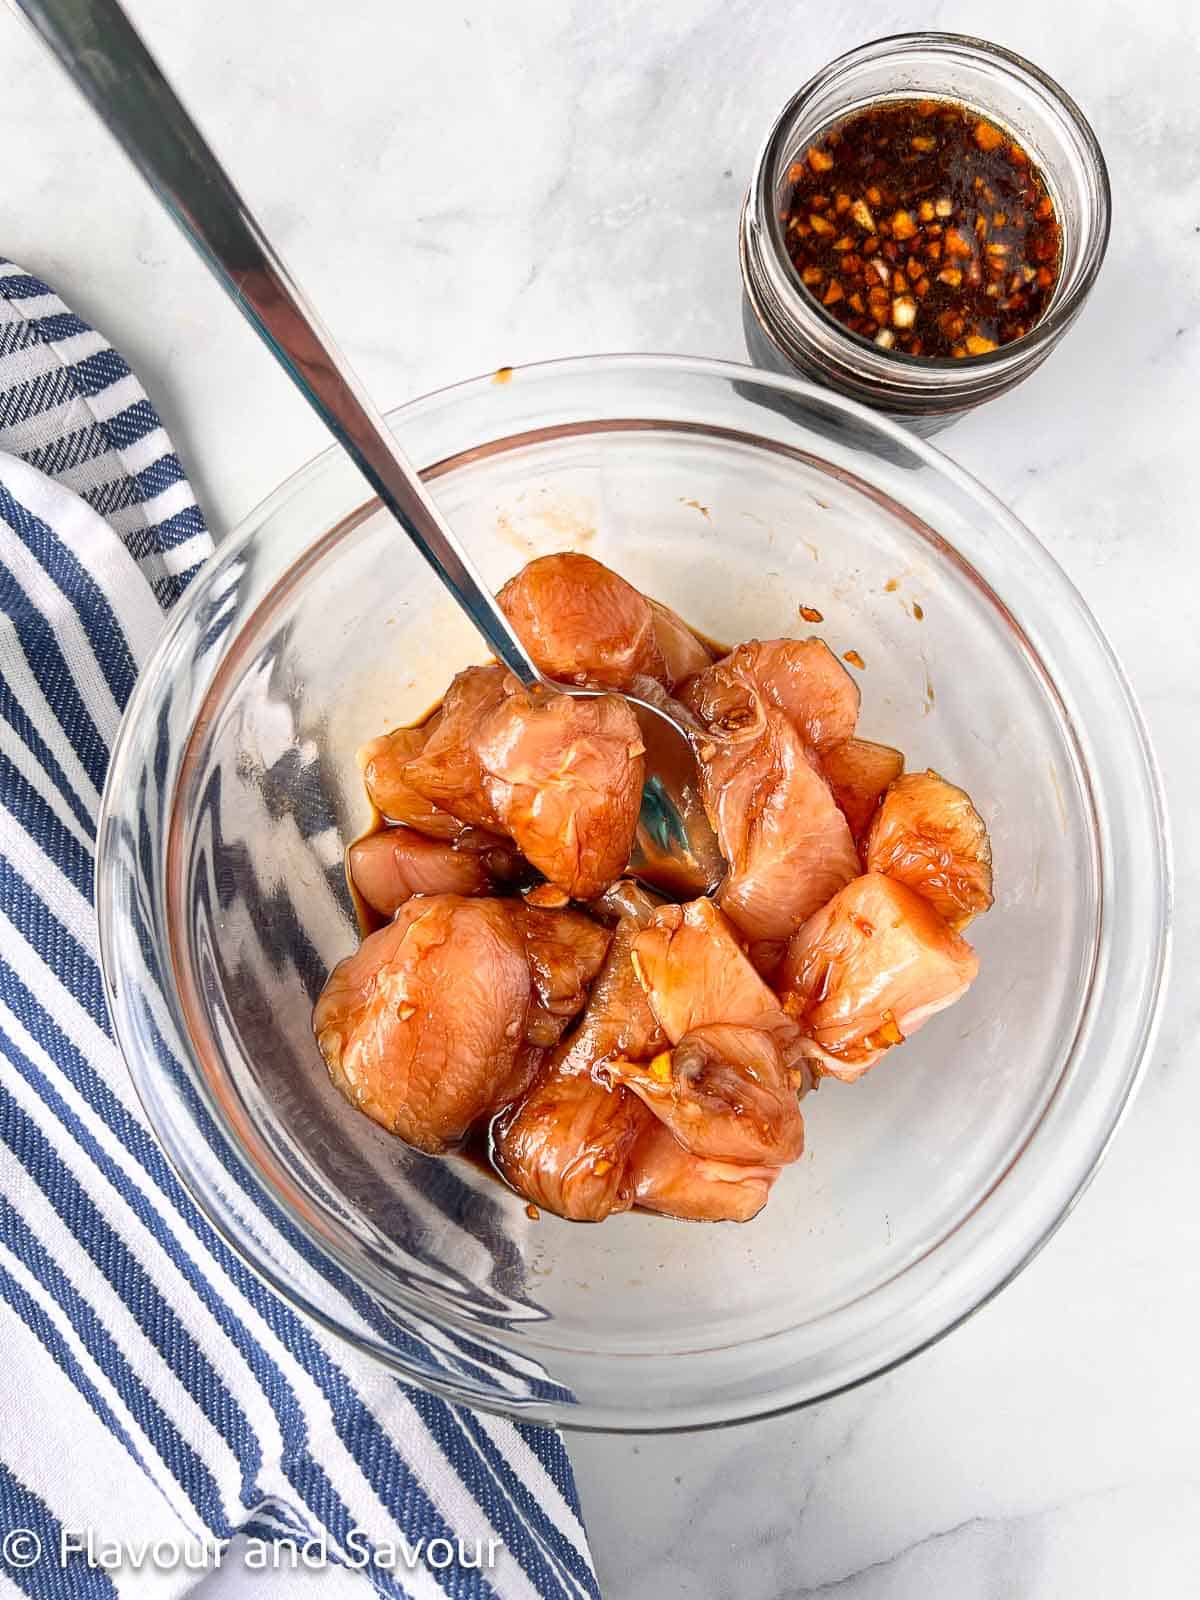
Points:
(788, 331)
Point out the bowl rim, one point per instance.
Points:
(629, 1420)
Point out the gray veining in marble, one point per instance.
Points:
(465, 185)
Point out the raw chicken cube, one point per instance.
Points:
(928, 835)
(447, 771)
(667, 1179)
(391, 866)
(868, 970)
(567, 1146)
(383, 762)
(582, 623)
(423, 1026)
(561, 777)
(564, 776)
(800, 677)
(566, 950)
(788, 846)
(695, 972)
(724, 1092)
(858, 772)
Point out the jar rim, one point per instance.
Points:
(759, 219)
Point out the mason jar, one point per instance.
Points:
(787, 329)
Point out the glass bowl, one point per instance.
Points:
(737, 498)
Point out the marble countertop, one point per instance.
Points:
(468, 185)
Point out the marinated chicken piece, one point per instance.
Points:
(566, 950)
(858, 772)
(788, 845)
(422, 1027)
(724, 1092)
(580, 622)
(683, 654)
(446, 771)
(561, 777)
(729, 1087)
(383, 762)
(567, 1146)
(668, 1179)
(807, 682)
(695, 973)
(802, 678)
(565, 778)
(388, 868)
(618, 1020)
(869, 969)
(929, 836)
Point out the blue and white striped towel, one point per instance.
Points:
(133, 1406)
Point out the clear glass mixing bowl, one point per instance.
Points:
(737, 498)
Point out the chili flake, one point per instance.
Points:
(924, 227)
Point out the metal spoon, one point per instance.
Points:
(103, 52)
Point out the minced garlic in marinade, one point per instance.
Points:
(923, 226)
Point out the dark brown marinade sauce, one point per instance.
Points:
(924, 227)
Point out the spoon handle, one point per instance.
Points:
(104, 54)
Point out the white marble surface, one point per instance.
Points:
(464, 185)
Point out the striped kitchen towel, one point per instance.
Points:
(167, 1424)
